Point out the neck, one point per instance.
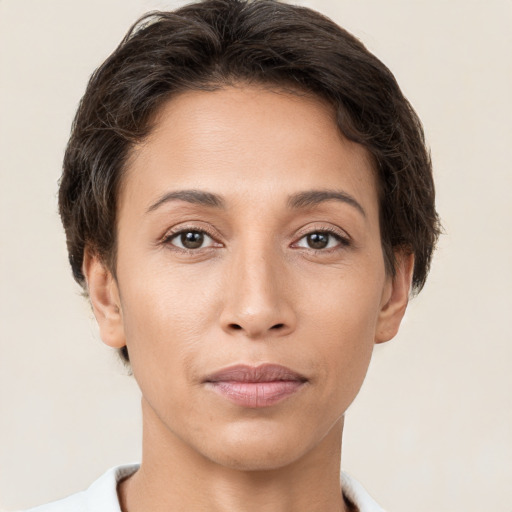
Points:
(174, 476)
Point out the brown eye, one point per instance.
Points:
(318, 240)
(191, 239)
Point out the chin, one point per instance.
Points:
(256, 447)
(252, 458)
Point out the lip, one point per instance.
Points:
(256, 386)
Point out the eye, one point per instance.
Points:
(319, 240)
(190, 239)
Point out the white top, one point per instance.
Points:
(101, 496)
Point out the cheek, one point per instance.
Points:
(165, 315)
(161, 295)
(346, 303)
(342, 321)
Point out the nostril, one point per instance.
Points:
(238, 327)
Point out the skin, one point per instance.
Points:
(254, 292)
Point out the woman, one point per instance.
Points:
(248, 201)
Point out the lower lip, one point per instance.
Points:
(256, 394)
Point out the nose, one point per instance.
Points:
(258, 301)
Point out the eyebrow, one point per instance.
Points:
(299, 200)
(190, 196)
(314, 197)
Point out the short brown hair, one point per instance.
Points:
(214, 43)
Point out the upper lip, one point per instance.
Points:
(261, 373)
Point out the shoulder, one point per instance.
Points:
(356, 494)
(101, 496)
(75, 503)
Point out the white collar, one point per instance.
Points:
(101, 496)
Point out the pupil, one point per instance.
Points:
(318, 240)
(192, 239)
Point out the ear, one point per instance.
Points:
(104, 296)
(395, 298)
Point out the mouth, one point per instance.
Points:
(256, 386)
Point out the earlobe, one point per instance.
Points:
(104, 297)
(395, 298)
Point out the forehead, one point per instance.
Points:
(248, 140)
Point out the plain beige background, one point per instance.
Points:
(431, 429)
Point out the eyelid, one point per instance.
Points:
(178, 230)
(344, 238)
(318, 228)
(341, 235)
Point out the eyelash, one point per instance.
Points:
(344, 241)
(167, 239)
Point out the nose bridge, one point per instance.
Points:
(256, 300)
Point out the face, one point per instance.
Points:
(251, 284)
